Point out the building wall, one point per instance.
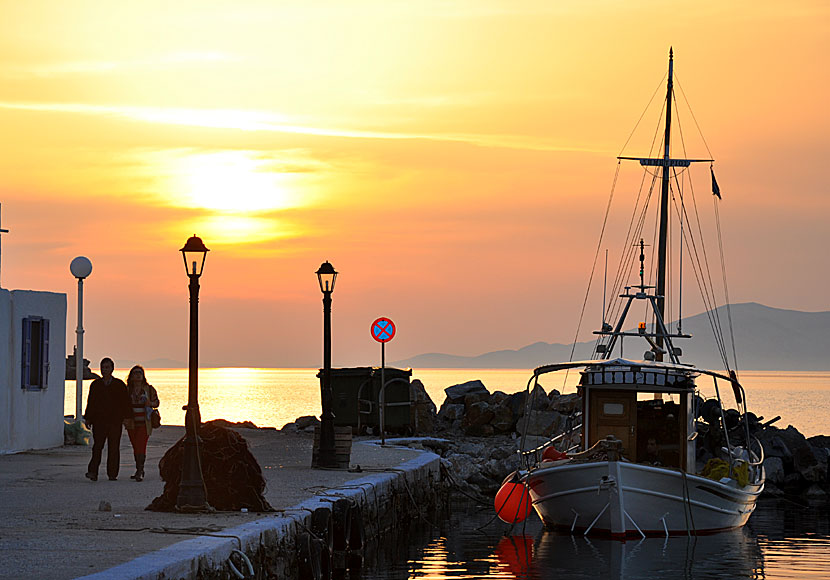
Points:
(31, 419)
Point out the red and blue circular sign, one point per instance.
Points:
(383, 329)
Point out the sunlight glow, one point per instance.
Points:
(233, 181)
(236, 229)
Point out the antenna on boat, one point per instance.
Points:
(604, 288)
(680, 276)
(642, 263)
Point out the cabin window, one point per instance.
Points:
(34, 375)
(613, 409)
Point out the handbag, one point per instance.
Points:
(155, 419)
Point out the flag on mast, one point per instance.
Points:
(715, 188)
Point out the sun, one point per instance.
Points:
(232, 181)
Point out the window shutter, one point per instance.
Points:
(27, 353)
(44, 353)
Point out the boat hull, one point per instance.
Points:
(628, 499)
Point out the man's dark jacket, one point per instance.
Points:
(107, 403)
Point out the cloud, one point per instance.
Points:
(272, 122)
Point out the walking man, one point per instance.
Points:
(107, 406)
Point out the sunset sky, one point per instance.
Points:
(452, 159)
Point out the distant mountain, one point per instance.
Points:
(765, 339)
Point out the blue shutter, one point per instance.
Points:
(44, 353)
(27, 353)
(34, 364)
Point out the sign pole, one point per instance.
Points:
(382, 393)
(383, 330)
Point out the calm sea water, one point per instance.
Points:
(274, 397)
(782, 541)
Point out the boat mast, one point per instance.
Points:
(664, 210)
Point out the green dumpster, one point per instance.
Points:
(356, 396)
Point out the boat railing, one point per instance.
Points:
(760, 452)
(536, 452)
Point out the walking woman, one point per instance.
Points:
(144, 399)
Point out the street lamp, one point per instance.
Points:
(326, 457)
(81, 268)
(192, 497)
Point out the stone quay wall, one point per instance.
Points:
(274, 544)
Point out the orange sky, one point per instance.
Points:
(451, 159)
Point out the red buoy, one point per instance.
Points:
(553, 454)
(512, 501)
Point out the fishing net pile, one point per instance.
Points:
(232, 475)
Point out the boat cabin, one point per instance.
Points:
(646, 405)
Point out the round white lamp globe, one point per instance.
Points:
(81, 267)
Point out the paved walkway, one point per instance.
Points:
(51, 526)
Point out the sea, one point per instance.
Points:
(274, 397)
(782, 541)
(785, 538)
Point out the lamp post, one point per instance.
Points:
(81, 268)
(192, 495)
(326, 457)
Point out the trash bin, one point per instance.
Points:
(356, 394)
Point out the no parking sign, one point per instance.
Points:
(383, 329)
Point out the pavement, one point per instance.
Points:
(51, 526)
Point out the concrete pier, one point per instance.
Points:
(56, 523)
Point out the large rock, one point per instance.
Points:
(774, 469)
(498, 398)
(516, 402)
(793, 449)
(815, 492)
(538, 422)
(424, 411)
(477, 419)
(478, 397)
(456, 393)
(566, 404)
(503, 419)
(539, 400)
(451, 412)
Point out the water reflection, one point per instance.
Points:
(733, 554)
(784, 541)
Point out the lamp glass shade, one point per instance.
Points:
(81, 267)
(326, 275)
(194, 253)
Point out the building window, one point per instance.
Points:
(35, 361)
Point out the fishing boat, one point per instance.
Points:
(654, 457)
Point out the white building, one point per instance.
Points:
(32, 351)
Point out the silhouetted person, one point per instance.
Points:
(143, 399)
(652, 451)
(107, 406)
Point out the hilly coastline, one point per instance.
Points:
(766, 338)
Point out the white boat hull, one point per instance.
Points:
(628, 499)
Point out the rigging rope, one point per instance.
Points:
(593, 267)
(725, 285)
(717, 327)
(696, 248)
(659, 86)
(708, 299)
